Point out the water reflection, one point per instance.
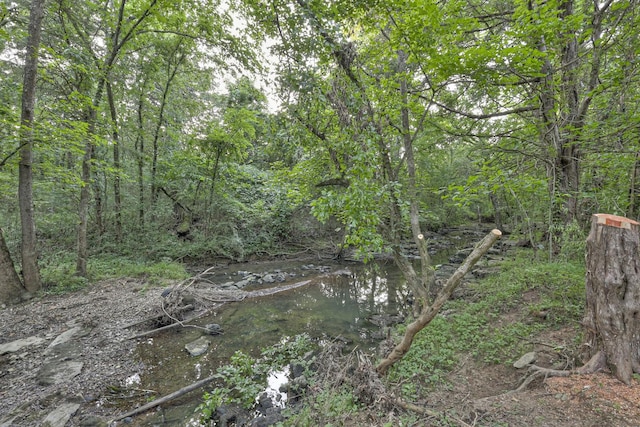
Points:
(331, 306)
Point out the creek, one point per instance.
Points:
(333, 306)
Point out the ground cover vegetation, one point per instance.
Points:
(496, 321)
(140, 135)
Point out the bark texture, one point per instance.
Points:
(612, 315)
(11, 289)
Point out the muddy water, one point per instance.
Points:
(330, 307)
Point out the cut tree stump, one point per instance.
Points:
(612, 314)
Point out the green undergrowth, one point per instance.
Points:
(58, 271)
(496, 324)
(240, 381)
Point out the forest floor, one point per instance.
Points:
(105, 360)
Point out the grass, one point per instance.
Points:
(58, 271)
(496, 326)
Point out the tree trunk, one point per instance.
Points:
(99, 196)
(428, 274)
(171, 74)
(632, 210)
(83, 212)
(11, 289)
(116, 43)
(613, 293)
(30, 270)
(565, 104)
(430, 311)
(117, 206)
(139, 147)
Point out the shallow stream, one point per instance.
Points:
(332, 306)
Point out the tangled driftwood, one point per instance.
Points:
(189, 296)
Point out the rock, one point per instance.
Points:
(92, 421)
(188, 299)
(248, 280)
(343, 272)
(61, 415)
(8, 422)
(228, 285)
(57, 372)
(197, 347)
(268, 278)
(525, 360)
(63, 338)
(299, 383)
(297, 370)
(264, 402)
(213, 329)
(228, 415)
(13, 346)
(273, 417)
(65, 351)
(384, 320)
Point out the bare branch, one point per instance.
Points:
(487, 115)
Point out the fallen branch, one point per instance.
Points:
(252, 294)
(156, 317)
(425, 411)
(174, 325)
(276, 290)
(430, 311)
(165, 399)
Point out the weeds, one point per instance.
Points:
(58, 272)
(495, 327)
(244, 377)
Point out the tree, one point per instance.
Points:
(358, 97)
(30, 272)
(11, 289)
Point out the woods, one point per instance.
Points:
(155, 128)
(162, 131)
(440, 112)
(159, 129)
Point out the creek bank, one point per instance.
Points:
(71, 360)
(68, 360)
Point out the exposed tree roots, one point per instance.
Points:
(596, 364)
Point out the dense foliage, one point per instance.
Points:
(165, 131)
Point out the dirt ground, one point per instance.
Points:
(103, 347)
(478, 396)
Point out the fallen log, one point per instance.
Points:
(251, 294)
(165, 399)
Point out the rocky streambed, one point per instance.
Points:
(70, 360)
